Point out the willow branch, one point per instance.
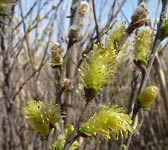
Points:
(96, 24)
(145, 78)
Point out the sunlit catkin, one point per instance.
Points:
(108, 121)
(102, 65)
(42, 116)
(143, 43)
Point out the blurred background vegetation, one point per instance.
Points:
(29, 29)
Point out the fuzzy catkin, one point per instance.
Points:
(41, 116)
(143, 43)
(147, 96)
(108, 121)
(101, 67)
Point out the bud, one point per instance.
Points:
(66, 84)
(74, 35)
(91, 92)
(5, 8)
(56, 54)
(83, 8)
(141, 12)
(147, 96)
(4, 5)
(164, 30)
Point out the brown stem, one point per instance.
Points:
(96, 24)
(134, 89)
(162, 81)
(75, 133)
(135, 113)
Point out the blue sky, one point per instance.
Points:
(127, 9)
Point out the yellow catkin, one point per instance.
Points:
(41, 115)
(147, 96)
(102, 65)
(108, 121)
(143, 43)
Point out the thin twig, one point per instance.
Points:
(134, 90)
(96, 24)
(26, 36)
(75, 133)
(50, 24)
(24, 83)
(31, 9)
(162, 81)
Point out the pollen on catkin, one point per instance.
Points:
(108, 121)
(41, 116)
(116, 34)
(143, 43)
(100, 69)
(101, 66)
